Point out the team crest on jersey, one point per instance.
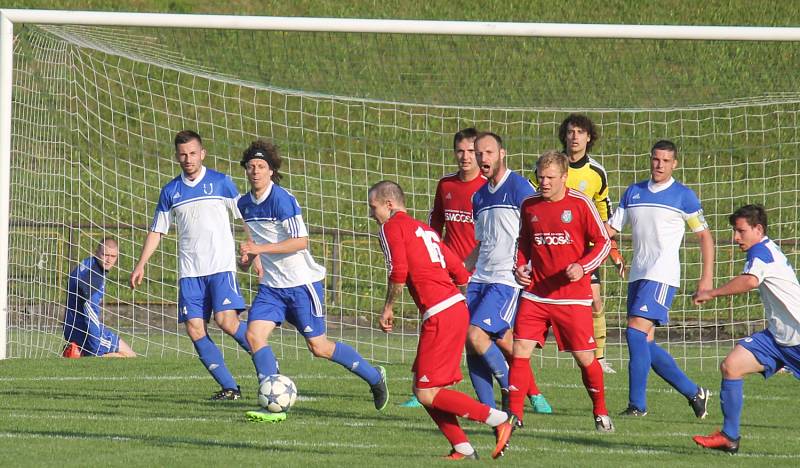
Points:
(208, 189)
(582, 185)
(566, 216)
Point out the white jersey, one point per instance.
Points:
(496, 216)
(199, 208)
(273, 218)
(779, 290)
(658, 215)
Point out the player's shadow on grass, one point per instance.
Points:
(176, 441)
(601, 442)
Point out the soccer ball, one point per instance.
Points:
(277, 393)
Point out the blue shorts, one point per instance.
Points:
(492, 307)
(302, 306)
(198, 297)
(109, 343)
(650, 300)
(771, 355)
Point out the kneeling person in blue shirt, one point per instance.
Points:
(83, 320)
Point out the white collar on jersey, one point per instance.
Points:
(655, 188)
(494, 188)
(263, 196)
(192, 183)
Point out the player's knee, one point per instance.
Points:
(477, 338)
(321, 348)
(255, 339)
(426, 395)
(584, 358)
(195, 332)
(228, 324)
(728, 369)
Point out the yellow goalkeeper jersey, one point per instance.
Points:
(588, 176)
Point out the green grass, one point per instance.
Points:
(153, 412)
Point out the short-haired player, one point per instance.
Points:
(493, 293)
(198, 202)
(561, 241)
(84, 330)
(658, 210)
(766, 352)
(417, 258)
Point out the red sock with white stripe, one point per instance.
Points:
(593, 381)
(518, 382)
(448, 424)
(459, 404)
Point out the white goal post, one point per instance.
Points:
(10, 18)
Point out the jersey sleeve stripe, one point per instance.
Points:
(387, 254)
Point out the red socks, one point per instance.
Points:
(519, 381)
(448, 424)
(459, 404)
(593, 381)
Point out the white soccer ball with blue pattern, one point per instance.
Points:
(277, 393)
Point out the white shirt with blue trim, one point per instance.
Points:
(658, 215)
(273, 218)
(199, 209)
(779, 290)
(496, 215)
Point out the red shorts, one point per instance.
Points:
(571, 323)
(441, 344)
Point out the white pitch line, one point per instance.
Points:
(334, 376)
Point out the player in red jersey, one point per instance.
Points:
(417, 258)
(564, 239)
(452, 205)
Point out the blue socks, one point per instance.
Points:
(730, 400)
(482, 368)
(666, 368)
(497, 363)
(638, 367)
(265, 362)
(241, 336)
(481, 376)
(349, 358)
(211, 357)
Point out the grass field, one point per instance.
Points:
(153, 412)
(109, 140)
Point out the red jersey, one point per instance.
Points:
(552, 236)
(452, 213)
(415, 256)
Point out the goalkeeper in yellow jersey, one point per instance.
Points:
(578, 134)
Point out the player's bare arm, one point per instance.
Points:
(150, 245)
(707, 253)
(291, 245)
(738, 285)
(393, 291)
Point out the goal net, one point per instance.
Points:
(95, 110)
